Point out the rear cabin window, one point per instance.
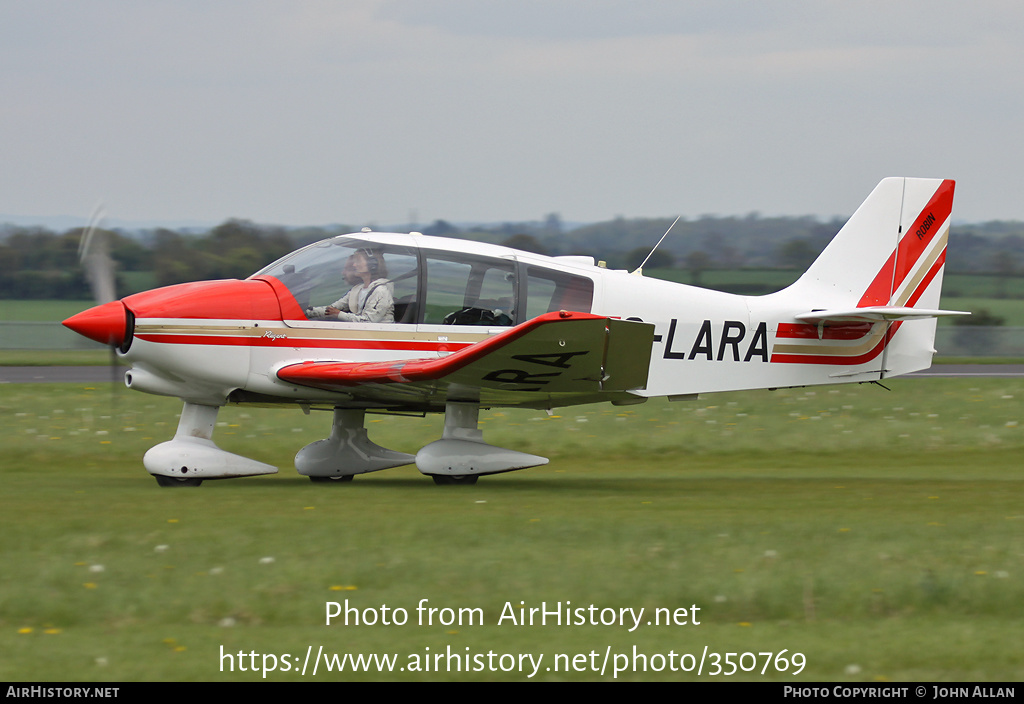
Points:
(462, 290)
(548, 291)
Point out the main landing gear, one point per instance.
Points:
(460, 457)
(347, 452)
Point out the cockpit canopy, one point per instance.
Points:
(432, 286)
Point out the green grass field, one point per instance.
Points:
(47, 310)
(877, 534)
(1012, 311)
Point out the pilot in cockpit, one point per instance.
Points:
(370, 300)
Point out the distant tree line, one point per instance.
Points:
(38, 263)
(232, 250)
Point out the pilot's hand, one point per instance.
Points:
(331, 310)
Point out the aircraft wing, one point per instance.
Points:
(554, 355)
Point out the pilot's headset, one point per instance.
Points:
(372, 262)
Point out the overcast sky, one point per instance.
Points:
(379, 111)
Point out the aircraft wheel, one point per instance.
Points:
(446, 479)
(325, 480)
(175, 482)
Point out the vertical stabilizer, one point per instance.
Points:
(886, 249)
(886, 261)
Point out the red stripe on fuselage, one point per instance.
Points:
(807, 331)
(836, 359)
(877, 349)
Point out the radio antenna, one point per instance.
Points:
(639, 271)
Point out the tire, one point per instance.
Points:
(448, 479)
(338, 479)
(173, 482)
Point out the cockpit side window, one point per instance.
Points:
(465, 290)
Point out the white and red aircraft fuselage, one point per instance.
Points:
(387, 322)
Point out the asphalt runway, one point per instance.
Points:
(63, 375)
(992, 371)
(102, 375)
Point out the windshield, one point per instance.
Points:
(322, 274)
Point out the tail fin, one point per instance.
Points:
(876, 259)
(883, 267)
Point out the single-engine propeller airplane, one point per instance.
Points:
(407, 323)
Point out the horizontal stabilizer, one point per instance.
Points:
(872, 314)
